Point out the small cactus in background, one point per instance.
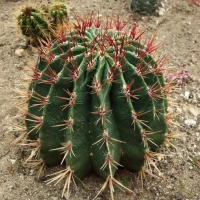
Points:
(42, 23)
(97, 100)
(143, 6)
(33, 23)
(58, 14)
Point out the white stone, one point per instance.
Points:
(162, 4)
(187, 94)
(179, 110)
(12, 161)
(53, 198)
(161, 11)
(31, 172)
(190, 122)
(169, 187)
(194, 111)
(19, 52)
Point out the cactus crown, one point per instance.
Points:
(97, 101)
(27, 12)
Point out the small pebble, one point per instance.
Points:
(194, 60)
(190, 122)
(12, 161)
(187, 94)
(31, 172)
(19, 52)
(179, 110)
(169, 187)
(195, 112)
(54, 198)
(23, 45)
(3, 16)
(161, 11)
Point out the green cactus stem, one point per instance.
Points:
(97, 100)
(58, 14)
(33, 23)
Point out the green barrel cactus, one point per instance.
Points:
(97, 100)
(143, 6)
(33, 23)
(58, 14)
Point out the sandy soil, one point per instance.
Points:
(178, 26)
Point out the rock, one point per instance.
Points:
(194, 112)
(31, 173)
(169, 187)
(162, 4)
(23, 45)
(179, 110)
(2, 16)
(54, 198)
(191, 95)
(19, 52)
(161, 11)
(187, 95)
(12, 161)
(198, 136)
(194, 60)
(190, 122)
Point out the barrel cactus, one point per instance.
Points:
(58, 13)
(97, 100)
(143, 6)
(33, 23)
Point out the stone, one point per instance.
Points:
(190, 122)
(194, 111)
(19, 52)
(194, 60)
(12, 161)
(161, 11)
(187, 95)
(54, 198)
(2, 16)
(23, 45)
(179, 110)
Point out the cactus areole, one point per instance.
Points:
(97, 101)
